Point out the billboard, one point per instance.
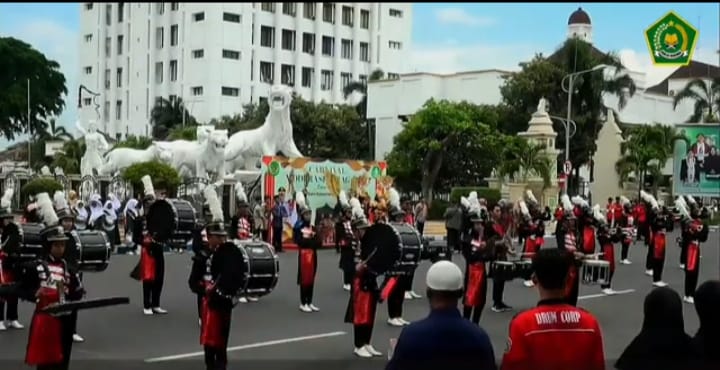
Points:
(696, 163)
(321, 180)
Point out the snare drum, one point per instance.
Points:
(523, 269)
(262, 267)
(93, 250)
(595, 272)
(503, 270)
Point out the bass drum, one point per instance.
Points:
(393, 248)
(261, 266)
(93, 250)
(171, 220)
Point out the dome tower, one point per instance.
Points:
(579, 26)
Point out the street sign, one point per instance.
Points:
(567, 167)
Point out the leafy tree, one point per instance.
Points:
(443, 146)
(521, 159)
(163, 176)
(183, 133)
(706, 97)
(361, 88)
(134, 142)
(69, 158)
(54, 132)
(20, 62)
(40, 185)
(167, 114)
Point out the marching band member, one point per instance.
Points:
(241, 223)
(152, 257)
(640, 214)
(531, 229)
(691, 206)
(393, 287)
(606, 238)
(627, 223)
(11, 240)
(201, 253)
(71, 256)
(308, 242)
(477, 252)
(499, 230)
(559, 222)
(397, 214)
(50, 341)
(344, 240)
(569, 237)
(364, 295)
(660, 223)
(693, 232)
(586, 224)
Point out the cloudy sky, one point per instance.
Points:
(447, 37)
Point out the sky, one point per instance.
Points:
(446, 37)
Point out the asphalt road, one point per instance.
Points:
(275, 330)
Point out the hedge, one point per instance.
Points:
(163, 176)
(40, 185)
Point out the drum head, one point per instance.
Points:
(161, 220)
(380, 248)
(228, 263)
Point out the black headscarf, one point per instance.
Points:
(662, 343)
(706, 344)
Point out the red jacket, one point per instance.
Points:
(554, 336)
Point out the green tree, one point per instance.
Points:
(134, 142)
(40, 185)
(706, 97)
(521, 159)
(166, 115)
(361, 88)
(183, 133)
(69, 158)
(54, 132)
(164, 177)
(20, 62)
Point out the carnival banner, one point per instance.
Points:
(321, 180)
(696, 165)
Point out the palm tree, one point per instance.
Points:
(706, 97)
(361, 87)
(167, 114)
(54, 132)
(521, 159)
(69, 158)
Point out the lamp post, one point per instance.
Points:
(571, 81)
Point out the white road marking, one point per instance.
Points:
(249, 346)
(619, 292)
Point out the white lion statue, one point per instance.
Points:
(198, 158)
(246, 148)
(119, 159)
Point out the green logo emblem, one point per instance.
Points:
(375, 172)
(274, 168)
(671, 40)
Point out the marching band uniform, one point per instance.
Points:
(627, 222)
(394, 287)
(498, 230)
(587, 230)
(570, 243)
(67, 220)
(559, 218)
(640, 212)
(532, 231)
(344, 239)
(477, 252)
(11, 240)
(152, 256)
(694, 232)
(243, 226)
(308, 242)
(198, 269)
(660, 223)
(607, 245)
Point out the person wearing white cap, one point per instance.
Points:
(444, 339)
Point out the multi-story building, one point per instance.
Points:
(219, 57)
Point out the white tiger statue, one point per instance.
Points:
(119, 159)
(198, 158)
(246, 148)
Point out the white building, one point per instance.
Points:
(392, 102)
(218, 57)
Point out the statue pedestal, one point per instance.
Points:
(493, 182)
(516, 190)
(244, 175)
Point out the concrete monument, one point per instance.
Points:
(95, 147)
(200, 157)
(118, 159)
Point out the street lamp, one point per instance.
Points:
(571, 81)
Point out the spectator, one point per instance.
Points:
(279, 213)
(260, 218)
(706, 344)
(662, 343)
(453, 225)
(421, 211)
(443, 340)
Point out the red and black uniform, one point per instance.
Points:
(586, 225)
(152, 264)
(50, 340)
(533, 232)
(660, 224)
(344, 239)
(640, 213)
(308, 242)
(477, 253)
(497, 230)
(362, 306)
(554, 336)
(559, 216)
(244, 228)
(693, 233)
(197, 273)
(11, 240)
(570, 244)
(607, 247)
(627, 225)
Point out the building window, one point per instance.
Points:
(308, 74)
(158, 72)
(88, 37)
(288, 40)
(326, 80)
(230, 91)
(197, 54)
(231, 17)
(107, 79)
(309, 10)
(393, 76)
(346, 49)
(267, 36)
(173, 70)
(363, 79)
(106, 111)
(347, 15)
(345, 79)
(174, 34)
(364, 52)
(396, 13)
(267, 72)
(289, 9)
(174, 6)
(287, 75)
(121, 12)
(230, 54)
(268, 7)
(108, 15)
(120, 40)
(87, 101)
(199, 17)
(197, 90)
(364, 19)
(159, 37)
(329, 12)
(88, 70)
(328, 46)
(395, 45)
(118, 77)
(108, 42)
(308, 43)
(160, 8)
(118, 110)
(88, 6)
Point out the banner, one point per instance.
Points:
(321, 181)
(696, 164)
